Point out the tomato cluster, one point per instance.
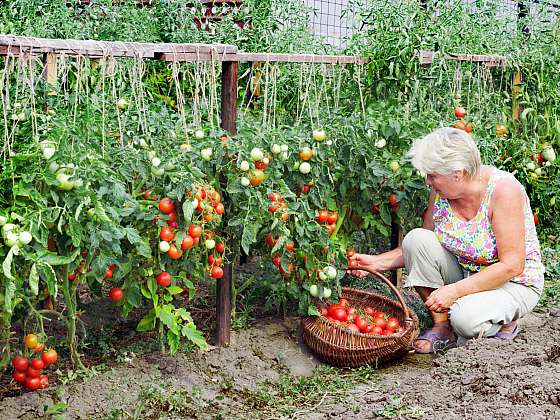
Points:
(278, 205)
(327, 219)
(367, 320)
(30, 373)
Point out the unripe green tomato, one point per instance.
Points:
(305, 168)
(164, 246)
(330, 271)
(122, 103)
(319, 135)
(3, 220)
(256, 154)
(322, 275)
(244, 166)
(64, 182)
(327, 292)
(245, 182)
(7, 227)
(284, 147)
(199, 134)
(156, 162)
(25, 237)
(209, 243)
(157, 171)
(206, 153)
(394, 165)
(276, 149)
(48, 152)
(314, 290)
(11, 239)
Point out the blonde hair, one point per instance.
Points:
(445, 151)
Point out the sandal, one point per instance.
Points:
(508, 335)
(439, 341)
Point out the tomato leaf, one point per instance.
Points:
(34, 279)
(249, 235)
(46, 272)
(312, 310)
(193, 334)
(7, 264)
(147, 323)
(385, 215)
(174, 290)
(173, 340)
(166, 316)
(183, 314)
(9, 295)
(51, 258)
(188, 210)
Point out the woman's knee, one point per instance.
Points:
(418, 238)
(464, 321)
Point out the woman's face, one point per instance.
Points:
(447, 186)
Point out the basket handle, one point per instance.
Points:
(391, 286)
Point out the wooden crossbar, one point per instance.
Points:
(427, 57)
(266, 57)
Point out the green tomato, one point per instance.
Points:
(25, 237)
(3, 220)
(314, 290)
(394, 165)
(256, 154)
(305, 168)
(8, 227)
(319, 135)
(122, 103)
(157, 171)
(48, 152)
(276, 149)
(244, 166)
(330, 271)
(381, 143)
(206, 153)
(209, 243)
(64, 182)
(322, 275)
(327, 293)
(164, 246)
(156, 162)
(284, 147)
(245, 182)
(199, 134)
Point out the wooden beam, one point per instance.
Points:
(50, 69)
(229, 123)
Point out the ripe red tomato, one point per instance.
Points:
(33, 383)
(469, 127)
(322, 216)
(460, 112)
(340, 314)
(31, 341)
(535, 219)
(116, 294)
(376, 330)
(72, 276)
(539, 159)
(361, 323)
(290, 246)
(108, 275)
(43, 381)
(261, 164)
(273, 208)
(174, 253)
(380, 322)
(217, 272)
(220, 247)
(187, 242)
(20, 363)
(461, 124)
(163, 279)
(324, 311)
(354, 328)
(37, 364)
(343, 302)
(166, 205)
(331, 228)
(352, 263)
(369, 310)
(19, 377)
(149, 196)
(211, 259)
(392, 324)
(393, 200)
(32, 373)
(39, 348)
(270, 241)
(195, 231)
(277, 261)
(49, 357)
(219, 208)
(331, 219)
(172, 216)
(166, 234)
(307, 188)
(334, 307)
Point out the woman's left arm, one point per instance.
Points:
(508, 222)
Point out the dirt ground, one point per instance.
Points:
(486, 379)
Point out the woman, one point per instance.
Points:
(476, 261)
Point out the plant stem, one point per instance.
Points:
(5, 333)
(71, 339)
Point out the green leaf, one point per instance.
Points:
(190, 286)
(34, 280)
(9, 295)
(51, 258)
(76, 233)
(174, 290)
(312, 310)
(7, 264)
(249, 235)
(194, 335)
(147, 323)
(46, 272)
(166, 316)
(183, 314)
(146, 293)
(152, 286)
(188, 210)
(385, 215)
(132, 235)
(173, 340)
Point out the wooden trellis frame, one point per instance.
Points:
(228, 55)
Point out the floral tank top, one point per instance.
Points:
(474, 242)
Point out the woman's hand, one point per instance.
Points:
(370, 262)
(440, 300)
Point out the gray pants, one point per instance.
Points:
(432, 266)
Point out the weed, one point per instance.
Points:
(396, 409)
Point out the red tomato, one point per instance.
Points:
(31, 341)
(352, 310)
(211, 259)
(220, 247)
(217, 272)
(49, 357)
(195, 231)
(352, 263)
(32, 373)
(19, 377)
(469, 127)
(39, 348)
(71, 276)
(116, 294)
(331, 228)
(380, 322)
(460, 112)
(44, 381)
(277, 261)
(163, 279)
(149, 196)
(166, 234)
(273, 208)
(331, 219)
(166, 205)
(219, 209)
(380, 314)
(539, 159)
(362, 324)
(354, 327)
(172, 217)
(196, 241)
(393, 200)
(37, 364)
(535, 219)
(324, 311)
(335, 306)
(376, 330)
(369, 310)
(20, 363)
(290, 246)
(351, 318)
(343, 302)
(369, 328)
(306, 188)
(187, 242)
(392, 324)
(322, 216)
(108, 275)
(33, 383)
(340, 314)
(174, 253)
(387, 332)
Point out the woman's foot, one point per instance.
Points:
(508, 331)
(439, 337)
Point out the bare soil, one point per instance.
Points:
(486, 379)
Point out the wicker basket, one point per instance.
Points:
(341, 347)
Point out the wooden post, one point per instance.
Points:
(50, 68)
(396, 241)
(229, 123)
(516, 89)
